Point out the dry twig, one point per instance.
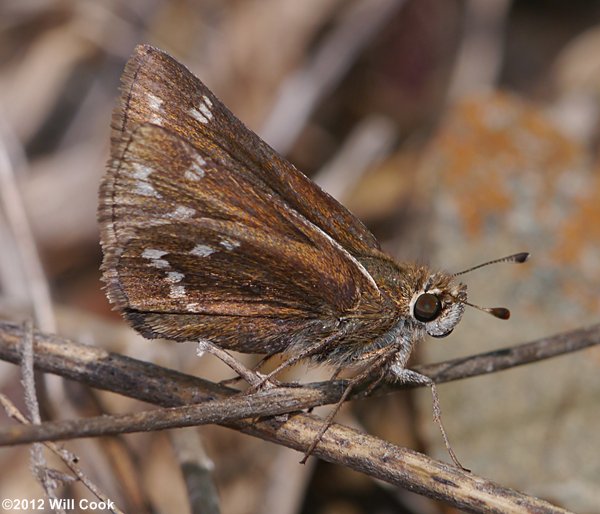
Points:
(70, 459)
(342, 445)
(197, 470)
(11, 201)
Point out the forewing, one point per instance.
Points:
(158, 89)
(196, 248)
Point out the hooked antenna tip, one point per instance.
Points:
(521, 257)
(499, 312)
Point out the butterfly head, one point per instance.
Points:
(438, 303)
(439, 299)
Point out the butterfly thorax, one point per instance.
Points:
(428, 301)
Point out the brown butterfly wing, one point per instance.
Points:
(196, 249)
(157, 88)
(206, 232)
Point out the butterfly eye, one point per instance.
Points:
(427, 307)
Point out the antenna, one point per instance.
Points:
(517, 258)
(497, 312)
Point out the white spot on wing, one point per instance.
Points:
(155, 258)
(196, 114)
(155, 104)
(201, 250)
(195, 171)
(177, 292)
(204, 109)
(229, 244)
(182, 212)
(174, 276)
(203, 113)
(151, 253)
(142, 173)
(193, 174)
(146, 189)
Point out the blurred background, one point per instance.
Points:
(459, 131)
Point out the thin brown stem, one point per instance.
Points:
(377, 458)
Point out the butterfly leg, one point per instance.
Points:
(255, 368)
(378, 362)
(407, 376)
(333, 377)
(309, 351)
(376, 382)
(253, 378)
(337, 372)
(264, 360)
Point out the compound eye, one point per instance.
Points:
(427, 307)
